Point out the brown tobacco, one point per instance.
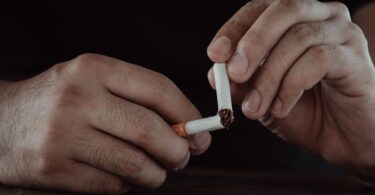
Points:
(226, 116)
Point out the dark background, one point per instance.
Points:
(166, 36)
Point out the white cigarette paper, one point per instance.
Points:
(224, 101)
(201, 125)
(223, 95)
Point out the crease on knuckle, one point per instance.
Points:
(321, 54)
(307, 33)
(114, 115)
(142, 123)
(328, 56)
(130, 166)
(295, 7)
(99, 155)
(160, 88)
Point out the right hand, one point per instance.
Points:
(94, 124)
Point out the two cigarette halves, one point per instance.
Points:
(224, 117)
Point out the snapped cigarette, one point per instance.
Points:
(224, 117)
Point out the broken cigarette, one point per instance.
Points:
(224, 117)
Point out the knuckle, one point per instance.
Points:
(357, 33)
(341, 8)
(236, 24)
(143, 121)
(256, 4)
(130, 166)
(296, 7)
(101, 155)
(305, 33)
(82, 64)
(87, 58)
(353, 27)
(133, 165)
(321, 53)
(160, 88)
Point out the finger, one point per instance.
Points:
(120, 158)
(316, 64)
(293, 44)
(157, 92)
(226, 39)
(197, 141)
(267, 30)
(238, 90)
(140, 126)
(69, 175)
(83, 178)
(147, 88)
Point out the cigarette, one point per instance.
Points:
(224, 117)
(224, 100)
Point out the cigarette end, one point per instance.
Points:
(227, 117)
(180, 129)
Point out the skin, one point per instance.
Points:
(84, 126)
(303, 69)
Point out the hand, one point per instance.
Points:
(303, 69)
(93, 124)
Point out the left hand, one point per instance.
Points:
(303, 68)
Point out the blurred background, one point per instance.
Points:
(170, 37)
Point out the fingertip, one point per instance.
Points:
(200, 143)
(159, 179)
(184, 163)
(220, 49)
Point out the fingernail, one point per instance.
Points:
(200, 141)
(252, 102)
(221, 45)
(238, 64)
(277, 106)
